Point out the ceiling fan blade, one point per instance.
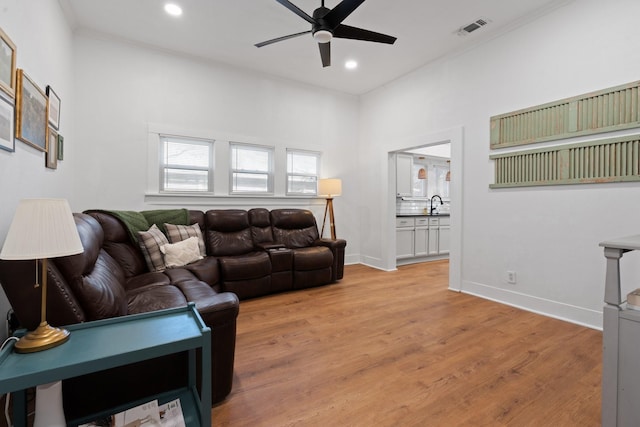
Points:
(325, 53)
(354, 33)
(295, 9)
(341, 11)
(279, 39)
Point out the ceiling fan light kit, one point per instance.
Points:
(322, 36)
(327, 23)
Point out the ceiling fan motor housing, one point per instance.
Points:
(321, 30)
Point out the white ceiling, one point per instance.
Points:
(226, 31)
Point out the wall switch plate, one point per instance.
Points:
(511, 277)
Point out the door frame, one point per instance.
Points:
(454, 136)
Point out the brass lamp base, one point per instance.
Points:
(42, 338)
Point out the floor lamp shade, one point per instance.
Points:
(330, 187)
(42, 229)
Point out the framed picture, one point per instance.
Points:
(7, 65)
(60, 147)
(53, 108)
(52, 149)
(31, 112)
(7, 111)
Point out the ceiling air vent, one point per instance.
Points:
(467, 29)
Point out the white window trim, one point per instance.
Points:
(318, 156)
(270, 174)
(161, 165)
(220, 197)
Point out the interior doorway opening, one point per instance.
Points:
(445, 145)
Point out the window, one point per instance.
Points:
(251, 169)
(302, 172)
(186, 164)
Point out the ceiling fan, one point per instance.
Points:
(327, 23)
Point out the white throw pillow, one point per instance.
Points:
(181, 253)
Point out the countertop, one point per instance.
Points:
(416, 215)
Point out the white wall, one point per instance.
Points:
(112, 92)
(44, 50)
(125, 89)
(548, 235)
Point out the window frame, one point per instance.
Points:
(270, 172)
(162, 166)
(318, 156)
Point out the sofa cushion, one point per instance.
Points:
(228, 232)
(146, 279)
(150, 243)
(178, 233)
(260, 225)
(295, 228)
(313, 258)
(93, 275)
(206, 269)
(249, 266)
(181, 253)
(118, 244)
(156, 296)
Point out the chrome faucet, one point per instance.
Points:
(431, 203)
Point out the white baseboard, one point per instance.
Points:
(366, 260)
(570, 313)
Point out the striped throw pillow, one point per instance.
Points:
(150, 243)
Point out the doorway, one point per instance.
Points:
(451, 139)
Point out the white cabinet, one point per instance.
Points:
(404, 179)
(405, 238)
(444, 231)
(443, 239)
(421, 241)
(423, 236)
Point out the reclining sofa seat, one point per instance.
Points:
(316, 261)
(245, 271)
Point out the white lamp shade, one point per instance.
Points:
(330, 187)
(42, 228)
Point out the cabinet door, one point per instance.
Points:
(404, 242)
(404, 181)
(443, 240)
(421, 241)
(433, 240)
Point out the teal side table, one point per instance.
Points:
(133, 339)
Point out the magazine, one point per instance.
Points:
(148, 414)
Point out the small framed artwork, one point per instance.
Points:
(7, 111)
(53, 108)
(31, 112)
(60, 147)
(7, 65)
(52, 149)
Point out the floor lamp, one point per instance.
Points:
(329, 188)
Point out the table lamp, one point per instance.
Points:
(41, 229)
(329, 188)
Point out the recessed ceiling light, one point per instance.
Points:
(173, 9)
(351, 65)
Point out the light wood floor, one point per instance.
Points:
(399, 349)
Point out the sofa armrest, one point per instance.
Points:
(337, 249)
(331, 244)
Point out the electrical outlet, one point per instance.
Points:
(511, 277)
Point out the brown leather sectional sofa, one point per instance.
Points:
(249, 254)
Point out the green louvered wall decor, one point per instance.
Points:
(600, 161)
(603, 111)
